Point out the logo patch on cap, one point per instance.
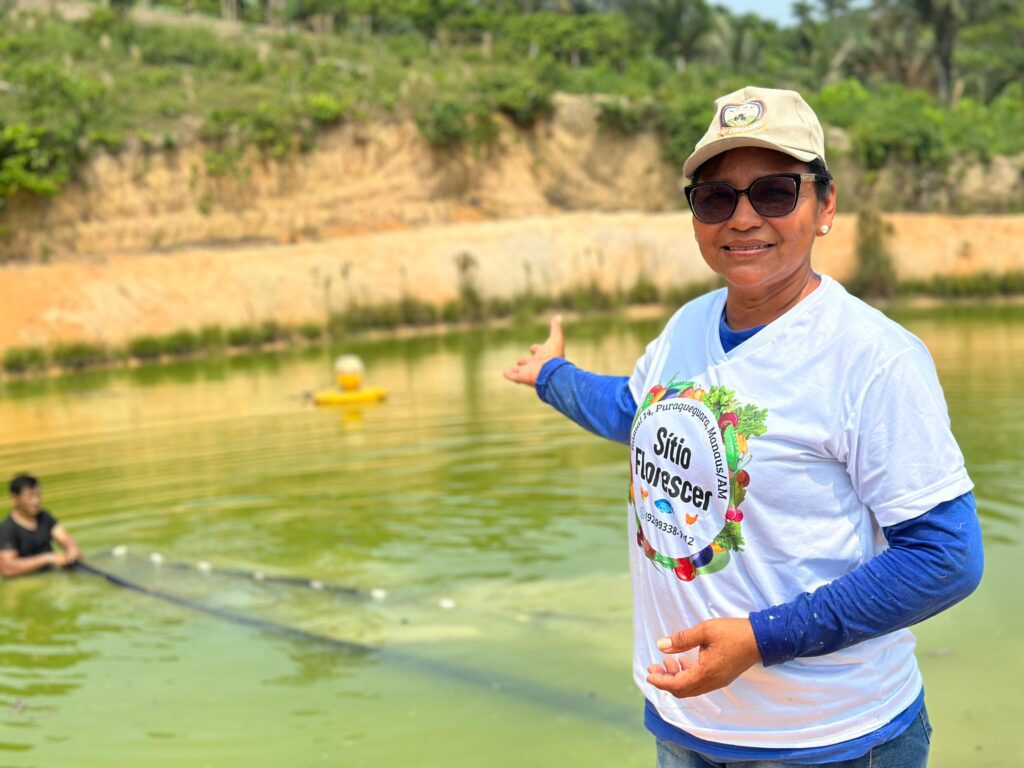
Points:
(742, 115)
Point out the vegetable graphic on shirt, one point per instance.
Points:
(703, 557)
(685, 570)
(659, 392)
(750, 422)
(730, 538)
(645, 545)
(732, 449)
(719, 400)
(736, 423)
(720, 560)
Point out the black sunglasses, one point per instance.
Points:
(715, 201)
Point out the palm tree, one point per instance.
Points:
(675, 26)
(731, 41)
(945, 18)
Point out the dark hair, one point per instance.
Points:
(822, 185)
(21, 483)
(816, 166)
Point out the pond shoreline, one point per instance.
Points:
(292, 338)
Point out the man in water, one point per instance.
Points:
(26, 535)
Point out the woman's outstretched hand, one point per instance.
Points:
(527, 369)
(727, 650)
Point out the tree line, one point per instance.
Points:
(949, 47)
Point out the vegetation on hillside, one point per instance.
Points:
(916, 82)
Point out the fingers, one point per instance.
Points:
(673, 664)
(527, 367)
(683, 640)
(685, 682)
(728, 648)
(520, 375)
(556, 336)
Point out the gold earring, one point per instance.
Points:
(824, 229)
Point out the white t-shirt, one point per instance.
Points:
(766, 472)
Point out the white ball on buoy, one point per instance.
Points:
(316, 584)
(258, 575)
(378, 594)
(446, 604)
(156, 558)
(119, 551)
(351, 365)
(348, 373)
(203, 567)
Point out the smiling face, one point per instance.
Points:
(757, 256)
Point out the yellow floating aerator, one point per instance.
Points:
(348, 372)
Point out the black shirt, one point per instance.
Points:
(28, 543)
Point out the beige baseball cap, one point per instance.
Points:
(760, 117)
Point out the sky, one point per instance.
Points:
(780, 11)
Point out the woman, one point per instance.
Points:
(796, 496)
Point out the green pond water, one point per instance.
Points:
(461, 489)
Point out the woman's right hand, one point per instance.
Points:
(527, 369)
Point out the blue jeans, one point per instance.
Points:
(908, 750)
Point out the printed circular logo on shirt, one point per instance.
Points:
(688, 452)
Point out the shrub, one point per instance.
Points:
(211, 337)
(415, 312)
(24, 360)
(311, 331)
(271, 331)
(244, 336)
(622, 118)
(682, 122)
(470, 303)
(875, 275)
(644, 291)
(587, 298)
(192, 46)
(445, 123)
(325, 109)
(79, 354)
(842, 104)
(232, 130)
(145, 348)
(181, 343)
(33, 159)
(499, 307)
(901, 125)
(522, 98)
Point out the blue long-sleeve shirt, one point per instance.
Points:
(932, 562)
